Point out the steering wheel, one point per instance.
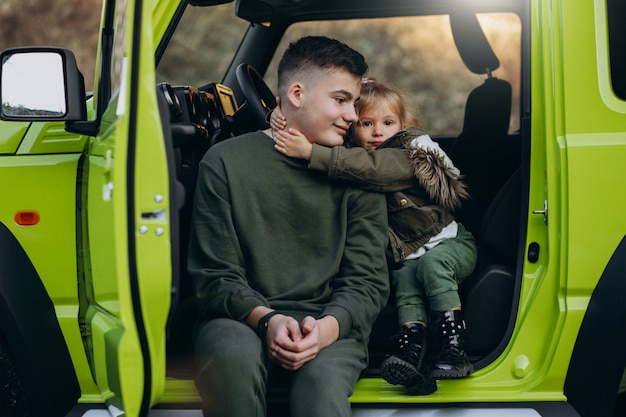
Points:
(259, 98)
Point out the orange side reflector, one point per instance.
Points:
(26, 218)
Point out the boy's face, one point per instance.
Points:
(327, 109)
(376, 124)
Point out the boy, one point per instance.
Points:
(279, 295)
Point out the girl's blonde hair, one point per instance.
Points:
(373, 92)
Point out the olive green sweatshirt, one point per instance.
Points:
(266, 231)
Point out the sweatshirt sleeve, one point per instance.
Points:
(361, 287)
(218, 272)
(382, 170)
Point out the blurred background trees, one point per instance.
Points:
(71, 24)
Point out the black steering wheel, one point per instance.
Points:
(259, 98)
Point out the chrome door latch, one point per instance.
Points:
(544, 211)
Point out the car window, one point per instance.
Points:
(119, 40)
(418, 55)
(616, 13)
(216, 26)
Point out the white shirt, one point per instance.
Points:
(447, 232)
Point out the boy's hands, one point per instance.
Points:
(290, 142)
(292, 345)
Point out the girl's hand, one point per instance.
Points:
(292, 143)
(277, 118)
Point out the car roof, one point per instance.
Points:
(261, 11)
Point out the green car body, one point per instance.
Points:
(89, 216)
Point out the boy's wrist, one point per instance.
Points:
(263, 324)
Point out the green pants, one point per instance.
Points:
(430, 282)
(236, 373)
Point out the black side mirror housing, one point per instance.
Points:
(41, 84)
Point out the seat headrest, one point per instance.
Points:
(471, 42)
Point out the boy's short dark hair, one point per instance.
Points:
(319, 53)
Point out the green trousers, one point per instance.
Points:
(430, 282)
(236, 374)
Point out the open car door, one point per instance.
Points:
(126, 215)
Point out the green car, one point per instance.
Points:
(528, 97)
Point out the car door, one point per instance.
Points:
(126, 214)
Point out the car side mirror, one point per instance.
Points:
(41, 84)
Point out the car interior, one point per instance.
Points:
(489, 155)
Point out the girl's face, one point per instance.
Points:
(376, 124)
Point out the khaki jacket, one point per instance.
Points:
(423, 187)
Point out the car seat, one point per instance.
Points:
(483, 151)
(487, 295)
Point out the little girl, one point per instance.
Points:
(431, 251)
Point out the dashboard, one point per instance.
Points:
(200, 116)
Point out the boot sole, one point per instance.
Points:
(399, 372)
(452, 373)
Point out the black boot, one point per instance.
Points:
(452, 362)
(408, 367)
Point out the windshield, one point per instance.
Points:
(418, 53)
(203, 46)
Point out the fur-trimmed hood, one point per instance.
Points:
(434, 170)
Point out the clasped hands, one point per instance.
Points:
(291, 344)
